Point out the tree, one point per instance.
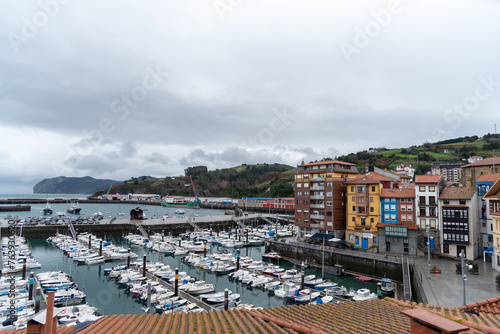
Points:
(195, 171)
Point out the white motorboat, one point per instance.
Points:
(95, 260)
(364, 294)
(310, 297)
(200, 287)
(217, 300)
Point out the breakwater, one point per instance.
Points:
(9, 208)
(366, 263)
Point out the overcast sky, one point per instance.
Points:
(115, 89)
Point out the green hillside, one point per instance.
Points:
(269, 180)
(424, 156)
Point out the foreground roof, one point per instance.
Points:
(400, 193)
(376, 317)
(488, 178)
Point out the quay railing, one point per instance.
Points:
(406, 278)
(142, 230)
(72, 230)
(372, 256)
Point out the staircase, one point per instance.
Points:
(72, 230)
(142, 230)
(406, 278)
(196, 227)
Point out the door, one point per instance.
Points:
(459, 250)
(364, 243)
(357, 241)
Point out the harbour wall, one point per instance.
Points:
(117, 230)
(369, 264)
(15, 208)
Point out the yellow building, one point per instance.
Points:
(363, 208)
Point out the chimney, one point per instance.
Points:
(49, 320)
(424, 322)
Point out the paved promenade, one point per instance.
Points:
(445, 289)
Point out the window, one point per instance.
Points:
(354, 199)
(371, 209)
(299, 176)
(462, 202)
(371, 220)
(299, 193)
(353, 208)
(422, 223)
(387, 217)
(433, 223)
(374, 240)
(299, 211)
(386, 207)
(299, 185)
(363, 221)
(409, 208)
(432, 200)
(361, 210)
(422, 200)
(403, 200)
(350, 236)
(403, 207)
(393, 200)
(409, 217)
(393, 217)
(352, 189)
(328, 174)
(432, 188)
(328, 193)
(371, 199)
(354, 219)
(446, 201)
(306, 185)
(393, 207)
(328, 184)
(373, 188)
(421, 188)
(403, 217)
(306, 212)
(306, 193)
(361, 189)
(329, 203)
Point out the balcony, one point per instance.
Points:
(315, 225)
(317, 179)
(317, 197)
(317, 188)
(317, 206)
(317, 217)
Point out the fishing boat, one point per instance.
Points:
(385, 287)
(74, 208)
(307, 298)
(324, 285)
(180, 203)
(47, 211)
(179, 211)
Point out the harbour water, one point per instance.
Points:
(110, 299)
(105, 294)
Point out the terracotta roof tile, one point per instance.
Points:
(328, 162)
(457, 193)
(399, 193)
(489, 177)
(485, 162)
(428, 178)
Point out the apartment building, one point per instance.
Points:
(397, 231)
(452, 172)
(427, 191)
(460, 222)
(493, 198)
(320, 200)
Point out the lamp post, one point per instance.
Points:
(428, 250)
(464, 277)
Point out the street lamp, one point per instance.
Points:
(464, 277)
(428, 249)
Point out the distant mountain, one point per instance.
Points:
(72, 185)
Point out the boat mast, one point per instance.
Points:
(323, 262)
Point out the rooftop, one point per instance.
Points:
(400, 193)
(428, 178)
(485, 162)
(457, 193)
(376, 316)
(488, 177)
